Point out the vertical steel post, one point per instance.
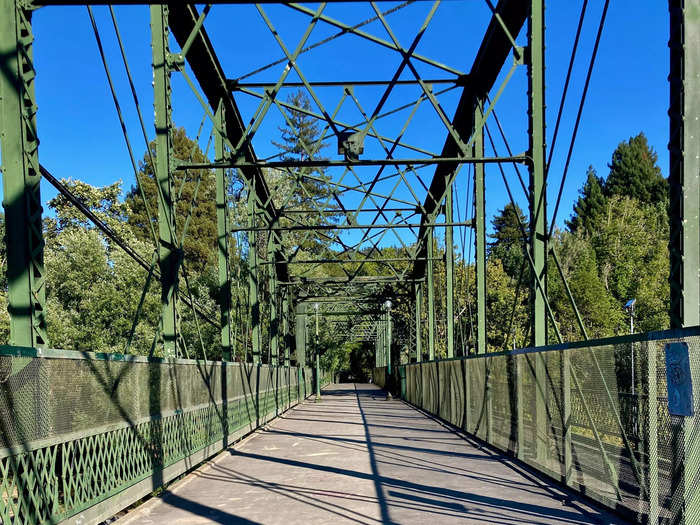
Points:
(253, 274)
(317, 352)
(449, 275)
(684, 178)
(274, 317)
(388, 338)
(168, 252)
(419, 325)
(431, 297)
(21, 177)
(300, 334)
(285, 326)
(224, 241)
(538, 209)
(480, 231)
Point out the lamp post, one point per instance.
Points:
(318, 360)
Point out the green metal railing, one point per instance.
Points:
(84, 435)
(605, 430)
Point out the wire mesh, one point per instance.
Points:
(78, 429)
(594, 416)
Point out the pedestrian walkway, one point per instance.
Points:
(358, 458)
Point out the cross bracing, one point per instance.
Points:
(344, 236)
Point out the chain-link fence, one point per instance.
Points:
(593, 415)
(90, 434)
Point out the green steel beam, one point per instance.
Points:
(493, 52)
(417, 162)
(254, 279)
(300, 334)
(168, 251)
(419, 325)
(274, 304)
(202, 58)
(480, 233)
(224, 243)
(450, 276)
(684, 149)
(538, 214)
(21, 177)
(431, 297)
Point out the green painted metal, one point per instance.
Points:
(685, 231)
(169, 253)
(430, 277)
(254, 277)
(387, 343)
(480, 233)
(450, 276)
(538, 206)
(300, 333)
(274, 306)
(21, 177)
(127, 447)
(224, 241)
(418, 287)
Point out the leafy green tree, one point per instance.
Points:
(590, 203)
(507, 240)
(634, 172)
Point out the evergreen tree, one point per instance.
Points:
(507, 240)
(300, 142)
(200, 242)
(634, 172)
(590, 203)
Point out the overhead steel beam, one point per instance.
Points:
(39, 3)
(493, 53)
(201, 57)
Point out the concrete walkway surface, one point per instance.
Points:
(357, 458)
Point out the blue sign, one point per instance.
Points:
(679, 380)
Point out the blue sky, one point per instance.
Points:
(81, 137)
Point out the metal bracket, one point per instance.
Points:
(521, 55)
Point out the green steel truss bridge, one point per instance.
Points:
(84, 435)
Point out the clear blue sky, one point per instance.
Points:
(81, 138)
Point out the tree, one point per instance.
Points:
(507, 240)
(590, 203)
(300, 141)
(195, 197)
(634, 172)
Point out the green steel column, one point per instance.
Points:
(450, 274)
(274, 317)
(253, 274)
(168, 251)
(419, 326)
(431, 298)
(285, 326)
(387, 342)
(480, 233)
(300, 334)
(317, 354)
(224, 242)
(21, 177)
(684, 181)
(538, 214)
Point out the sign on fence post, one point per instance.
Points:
(679, 380)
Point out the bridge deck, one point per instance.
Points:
(357, 458)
